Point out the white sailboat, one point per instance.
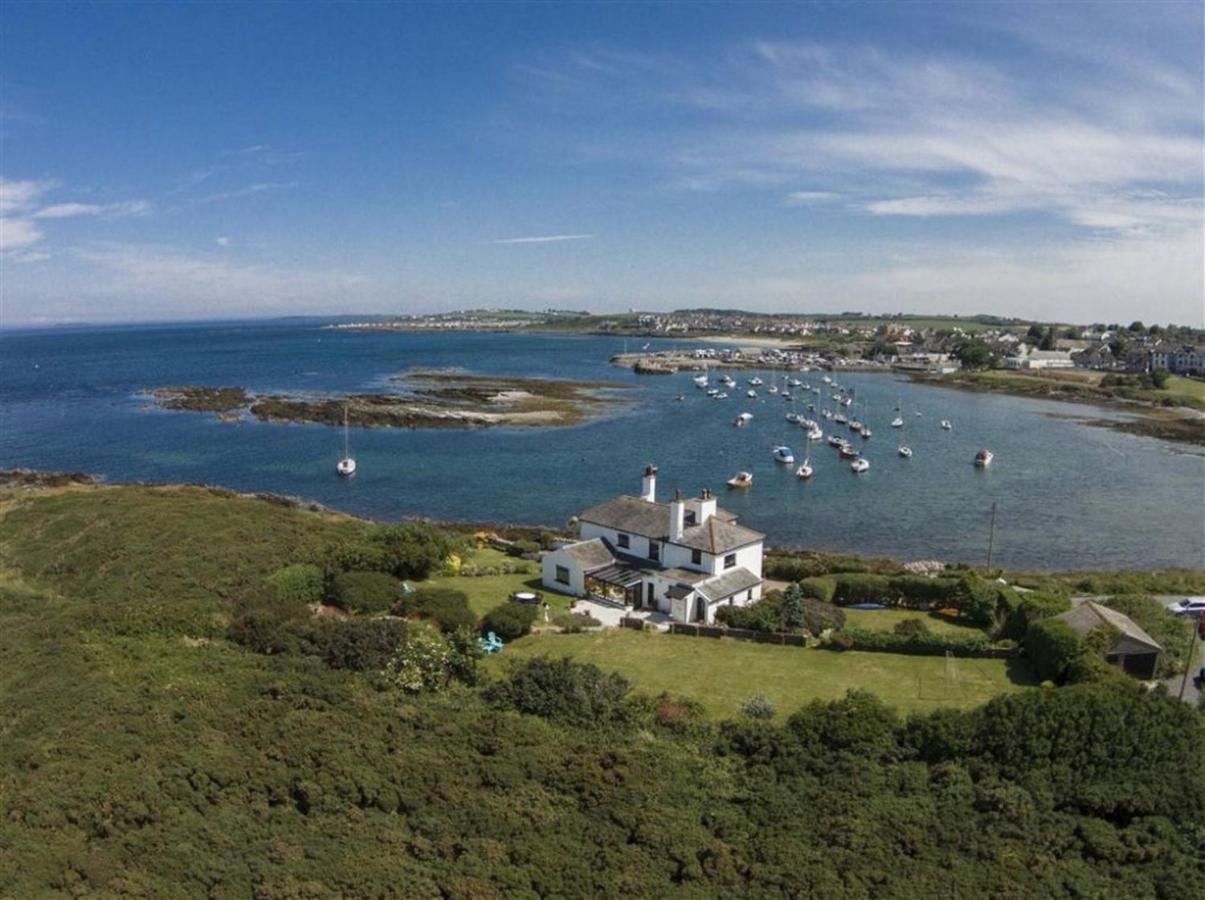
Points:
(346, 467)
(805, 471)
(901, 447)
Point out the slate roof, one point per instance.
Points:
(731, 582)
(590, 554)
(718, 534)
(1089, 616)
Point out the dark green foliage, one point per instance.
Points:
(865, 588)
(976, 600)
(1056, 651)
(819, 616)
(270, 627)
(1160, 377)
(523, 549)
(566, 692)
(769, 614)
(1019, 611)
(464, 653)
(757, 707)
(1170, 632)
(792, 608)
(819, 588)
(920, 643)
(911, 628)
(300, 584)
(362, 645)
(410, 550)
(365, 592)
(447, 608)
(509, 620)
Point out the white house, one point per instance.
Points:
(1040, 359)
(685, 558)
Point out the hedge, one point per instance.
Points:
(919, 644)
(447, 608)
(1056, 651)
(1018, 612)
(365, 592)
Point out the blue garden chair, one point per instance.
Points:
(491, 643)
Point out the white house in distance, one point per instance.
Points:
(685, 558)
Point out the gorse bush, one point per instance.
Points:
(757, 707)
(300, 584)
(410, 550)
(447, 608)
(574, 623)
(566, 692)
(509, 620)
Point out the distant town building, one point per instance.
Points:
(1039, 359)
(1183, 360)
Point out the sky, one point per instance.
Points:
(210, 160)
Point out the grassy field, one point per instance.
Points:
(487, 591)
(887, 619)
(722, 673)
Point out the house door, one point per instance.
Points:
(700, 609)
(650, 602)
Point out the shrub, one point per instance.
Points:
(792, 608)
(566, 692)
(363, 645)
(446, 607)
(365, 592)
(573, 623)
(1020, 611)
(270, 628)
(976, 600)
(509, 620)
(757, 707)
(523, 548)
(819, 616)
(678, 714)
(911, 628)
(819, 588)
(764, 614)
(412, 550)
(464, 653)
(918, 644)
(1056, 651)
(420, 663)
(300, 584)
(861, 588)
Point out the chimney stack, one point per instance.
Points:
(648, 485)
(677, 517)
(707, 506)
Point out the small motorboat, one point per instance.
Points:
(805, 471)
(783, 454)
(860, 465)
(945, 424)
(679, 398)
(855, 425)
(840, 419)
(722, 395)
(835, 440)
(786, 395)
(711, 392)
(700, 381)
(848, 452)
(865, 432)
(984, 458)
(756, 382)
(814, 433)
(793, 418)
(742, 420)
(773, 389)
(728, 381)
(897, 422)
(904, 451)
(741, 480)
(794, 382)
(750, 393)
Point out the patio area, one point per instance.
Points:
(609, 613)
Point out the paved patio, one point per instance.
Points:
(610, 613)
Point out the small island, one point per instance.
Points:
(424, 399)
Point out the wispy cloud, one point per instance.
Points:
(544, 239)
(247, 191)
(21, 207)
(222, 241)
(72, 210)
(807, 198)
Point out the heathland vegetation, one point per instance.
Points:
(202, 697)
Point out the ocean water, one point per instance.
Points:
(1067, 495)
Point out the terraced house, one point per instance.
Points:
(684, 558)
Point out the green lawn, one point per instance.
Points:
(487, 591)
(887, 619)
(722, 673)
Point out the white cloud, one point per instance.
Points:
(249, 190)
(18, 233)
(18, 196)
(222, 241)
(72, 210)
(544, 239)
(806, 198)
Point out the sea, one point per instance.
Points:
(1065, 495)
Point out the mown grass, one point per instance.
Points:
(887, 619)
(720, 674)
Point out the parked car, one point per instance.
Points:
(1189, 606)
(1200, 679)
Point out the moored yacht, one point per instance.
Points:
(860, 465)
(741, 480)
(984, 458)
(783, 454)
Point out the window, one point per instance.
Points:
(562, 575)
(689, 518)
(624, 541)
(696, 557)
(729, 560)
(654, 550)
(750, 595)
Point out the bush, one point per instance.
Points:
(1056, 651)
(764, 614)
(574, 623)
(1019, 612)
(412, 550)
(819, 588)
(911, 628)
(446, 607)
(523, 548)
(976, 600)
(566, 692)
(851, 589)
(757, 707)
(421, 663)
(365, 592)
(301, 584)
(270, 628)
(362, 645)
(509, 620)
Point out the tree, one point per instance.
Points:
(1048, 339)
(1160, 377)
(974, 354)
(1035, 332)
(1137, 327)
(792, 608)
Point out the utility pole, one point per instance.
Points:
(1191, 659)
(991, 538)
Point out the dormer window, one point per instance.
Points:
(654, 551)
(624, 541)
(696, 557)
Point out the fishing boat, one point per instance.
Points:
(741, 480)
(945, 424)
(346, 467)
(783, 454)
(984, 458)
(860, 465)
(742, 420)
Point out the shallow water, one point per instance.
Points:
(1067, 495)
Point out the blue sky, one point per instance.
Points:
(208, 160)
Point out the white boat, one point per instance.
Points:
(786, 395)
(855, 425)
(741, 480)
(793, 418)
(346, 467)
(984, 458)
(904, 450)
(945, 423)
(814, 433)
(865, 432)
(784, 455)
(840, 419)
(750, 393)
(835, 440)
(847, 451)
(711, 392)
(860, 465)
(700, 380)
(794, 382)
(720, 396)
(773, 389)
(742, 420)
(897, 422)
(756, 382)
(727, 381)
(805, 471)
